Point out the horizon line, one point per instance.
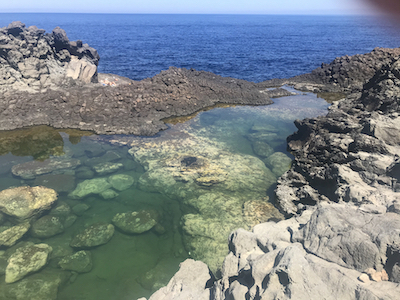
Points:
(210, 13)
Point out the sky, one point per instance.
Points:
(326, 7)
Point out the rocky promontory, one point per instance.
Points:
(45, 79)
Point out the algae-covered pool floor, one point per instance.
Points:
(199, 180)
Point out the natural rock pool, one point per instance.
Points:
(130, 209)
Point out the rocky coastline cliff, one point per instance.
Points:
(341, 196)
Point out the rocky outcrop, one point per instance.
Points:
(345, 74)
(32, 60)
(350, 155)
(318, 255)
(47, 80)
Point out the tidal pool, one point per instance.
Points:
(190, 185)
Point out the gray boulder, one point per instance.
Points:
(190, 282)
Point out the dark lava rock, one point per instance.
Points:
(344, 74)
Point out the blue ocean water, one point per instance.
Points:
(250, 47)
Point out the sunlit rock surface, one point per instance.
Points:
(25, 202)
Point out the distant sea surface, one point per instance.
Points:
(250, 47)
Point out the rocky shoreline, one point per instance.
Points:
(341, 196)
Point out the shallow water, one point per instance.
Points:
(186, 174)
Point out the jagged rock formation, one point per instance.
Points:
(31, 60)
(350, 155)
(345, 74)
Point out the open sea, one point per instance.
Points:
(250, 47)
(190, 185)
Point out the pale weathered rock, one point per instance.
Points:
(47, 226)
(10, 236)
(190, 282)
(363, 278)
(26, 260)
(30, 170)
(25, 202)
(135, 222)
(92, 236)
(90, 186)
(80, 262)
(349, 237)
(121, 182)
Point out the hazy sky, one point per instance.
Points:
(189, 6)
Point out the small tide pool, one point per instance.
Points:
(169, 197)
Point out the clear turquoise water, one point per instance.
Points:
(132, 266)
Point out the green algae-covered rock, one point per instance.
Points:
(109, 194)
(90, 186)
(80, 262)
(92, 236)
(135, 221)
(278, 162)
(26, 260)
(47, 226)
(121, 182)
(107, 168)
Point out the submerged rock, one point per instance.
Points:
(39, 286)
(107, 168)
(80, 262)
(135, 222)
(47, 226)
(10, 236)
(278, 162)
(58, 182)
(121, 182)
(26, 260)
(92, 236)
(31, 169)
(90, 186)
(25, 202)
